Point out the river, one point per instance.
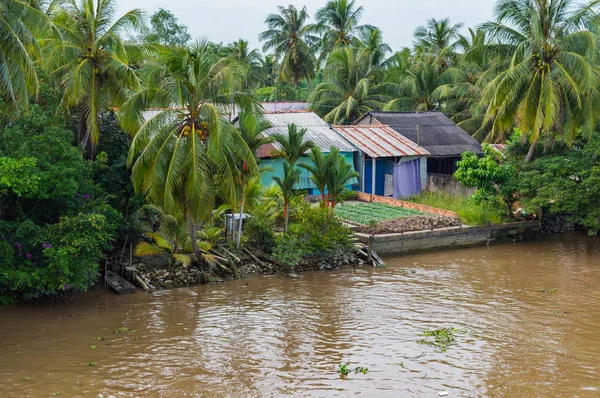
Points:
(528, 314)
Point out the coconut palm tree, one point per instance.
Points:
(241, 52)
(319, 168)
(340, 172)
(20, 26)
(292, 145)
(350, 87)
(92, 62)
(180, 153)
(548, 84)
(251, 126)
(438, 38)
(291, 39)
(371, 39)
(290, 178)
(338, 22)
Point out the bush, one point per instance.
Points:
(260, 230)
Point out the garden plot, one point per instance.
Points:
(369, 213)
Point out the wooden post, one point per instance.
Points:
(370, 251)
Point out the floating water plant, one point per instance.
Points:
(441, 339)
(344, 370)
(93, 347)
(90, 363)
(122, 330)
(99, 338)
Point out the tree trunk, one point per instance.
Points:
(194, 240)
(240, 221)
(531, 150)
(310, 88)
(286, 216)
(323, 198)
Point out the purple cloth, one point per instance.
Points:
(407, 179)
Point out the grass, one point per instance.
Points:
(468, 212)
(365, 213)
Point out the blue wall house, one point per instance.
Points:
(317, 131)
(433, 131)
(400, 164)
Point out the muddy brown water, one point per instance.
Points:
(275, 337)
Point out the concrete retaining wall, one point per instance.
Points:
(444, 183)
(366, 197)
(455, 237)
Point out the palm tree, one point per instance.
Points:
(292, 145)
(340, 172)
(92, 62)
(417, 87)
(371, 39)
(179, 154)
(20, 25)
(438, 38)
(548, 84)
(318, 168)
(251, 126)
(291, 39)
(338, 22)
(350, 87)
(241, 52)
(290, 177)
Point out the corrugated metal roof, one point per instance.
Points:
(380, 141)
(499, 147)
(264, 151)
(439, 135)
(318, 131)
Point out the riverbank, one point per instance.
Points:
(452, 237)
(246, 264)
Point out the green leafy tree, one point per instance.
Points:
(20, 25)
(292, 145)
(291, 39)
(340, 172)
(547, 84)
(241, 52)
(319, 168)
(92, 62)
(178, 153)
(166, 30)
(438, 38)
(338, 22)
(350, 87)
(371, 39)
(483, 173)
(290, 178)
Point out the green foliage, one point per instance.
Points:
(440, 339)
(288, 250)
(485, 173)
(565, 181)
(321, 232)
(166, 29)
(366, 213)
(469, 213)
(53, 236)
(18, 175)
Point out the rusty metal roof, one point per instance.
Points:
(380, 141)
(433, 130)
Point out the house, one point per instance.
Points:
(317, 131)
(400, 165)
(433, 131)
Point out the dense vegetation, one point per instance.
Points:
(85, 168)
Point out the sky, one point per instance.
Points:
(229, 20)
